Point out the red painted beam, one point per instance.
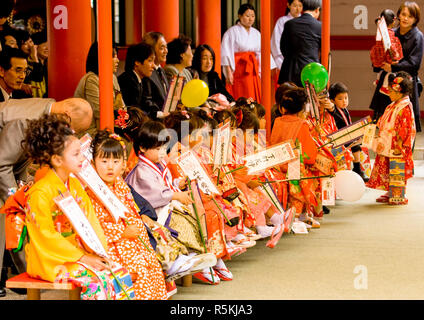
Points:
(357, 43)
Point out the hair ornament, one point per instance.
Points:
(121, 120)
(185, 113)
(239, 117)
(250, 101)
(396, 84)
(117, 138)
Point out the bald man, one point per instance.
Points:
(14, 115)
(33, 108)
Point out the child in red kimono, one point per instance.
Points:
(397, 124)
(378, 54)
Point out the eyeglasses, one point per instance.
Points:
(19, 71)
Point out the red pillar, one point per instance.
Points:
(208, 14)
(162, 16)
(69, 39)
(137, 21)
(325, 32)
(104, 36)
(266, 61)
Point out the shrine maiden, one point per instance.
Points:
(241, 56)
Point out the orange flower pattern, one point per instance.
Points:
(131, 253)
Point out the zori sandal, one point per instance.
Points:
(242, 241)
(223, 273)
(275, 236)
(382, 199)
(207, 276)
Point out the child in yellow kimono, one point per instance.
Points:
(55, 252)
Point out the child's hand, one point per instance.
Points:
(182, 184)
(131, 232)
(184, 197)
(253, 184)
(95, 262)
(386, 67)
(148, 221)
(326, 103)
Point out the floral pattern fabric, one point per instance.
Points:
(137, 255)
(404, 131)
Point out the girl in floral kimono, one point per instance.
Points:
(397, 128)
(127, 238)
(55, 252)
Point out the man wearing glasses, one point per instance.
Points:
(13, 70)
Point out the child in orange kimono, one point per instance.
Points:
(127, 238)
(292, 126)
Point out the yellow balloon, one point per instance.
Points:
(195, 93)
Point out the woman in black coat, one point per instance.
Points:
(204, 66)
(412, 41)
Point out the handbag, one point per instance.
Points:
(15, 228)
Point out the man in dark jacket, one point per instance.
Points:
(157, 82)
(139, 64)
(13, 70)
(301, 42)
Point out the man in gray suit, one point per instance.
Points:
(13, 162)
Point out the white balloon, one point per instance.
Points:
(349, 185)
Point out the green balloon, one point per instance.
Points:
(316, 74)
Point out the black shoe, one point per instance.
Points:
(361, 174)
(2, 292)
(19, 291)
(325, 209)
(357, 169)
